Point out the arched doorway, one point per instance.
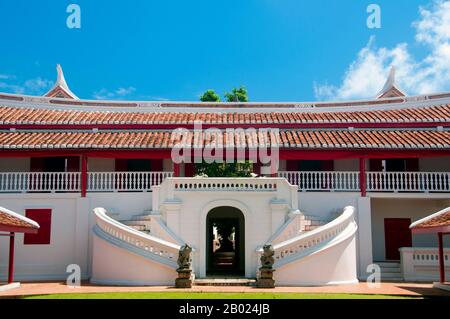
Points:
(225, 242)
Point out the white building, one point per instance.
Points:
(346, 180)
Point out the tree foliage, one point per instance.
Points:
(237, 95)
(237, 169)
(210, 96)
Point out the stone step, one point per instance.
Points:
(135, 222)
(141, 228)
(386, 264)
(225, 282)
(146, 217)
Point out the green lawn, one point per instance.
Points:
(208, 295)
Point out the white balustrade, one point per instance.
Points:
(225, 184)
(316, 239)
(408, 182)
(124, 181)
(422, 263)
(147, 243)
(40, 182)
(326, 180)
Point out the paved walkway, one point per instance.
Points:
(406, 289)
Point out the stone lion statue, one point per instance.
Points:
(185, 257)
(267, 259)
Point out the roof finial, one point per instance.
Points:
(390, 89)
(61, 89)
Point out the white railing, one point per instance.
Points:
(422, 264)
(310, 242)
(225, 184)
(40, 182)
(323, 181)
(160, 249)
(408, 182)
(125, 181)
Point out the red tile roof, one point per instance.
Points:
(48, 116)
(11, 219)
(439, 219)
(301, 139)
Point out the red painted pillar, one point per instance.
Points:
(441, 258)
(84, 176)
(362, 176)
(11, 258)
(176, 170)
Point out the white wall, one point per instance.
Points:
(326, 204)
(14, 164)
(72, 221)
(403, 208)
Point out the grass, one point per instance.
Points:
(208, 295)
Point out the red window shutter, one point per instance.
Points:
(121, 165)
(44, 218)
(157, 165)
(37, 164)
(73, 164)
(375, 165)
(292, 166)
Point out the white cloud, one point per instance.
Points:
(104, 94)
(366, 75)
(36, 86)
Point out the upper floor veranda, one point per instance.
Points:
(83, 175)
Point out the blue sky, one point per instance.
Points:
(281, 50)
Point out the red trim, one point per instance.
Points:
(285, 153)
(362, 176)
(17, 229)
(431, 230)
(219, 126)
(176, 170)
(441, 258)
(84, 175)
(11, 258)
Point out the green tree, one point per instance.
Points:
(237, 95)
(236, 169)
(210, 96)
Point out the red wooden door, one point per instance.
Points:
(396, 235)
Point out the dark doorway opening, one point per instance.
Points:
(225, 242)
(396, 235)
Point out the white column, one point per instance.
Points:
(279, 211)
(171, 213)
(364, 220)
(82, 234)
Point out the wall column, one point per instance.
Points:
(364, 220)
(176, 170)
(84, 177)
(11, 258)
(362, 176)
(441, 258)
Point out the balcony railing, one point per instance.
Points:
(125, 181)
(376, 181)
(26, 182)
(71, 182)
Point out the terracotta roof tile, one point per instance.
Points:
(398, 139)
(34, 116)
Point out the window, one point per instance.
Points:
(44, 218)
